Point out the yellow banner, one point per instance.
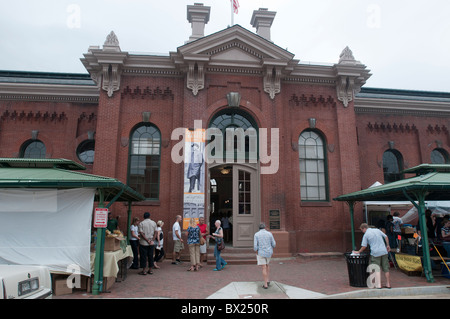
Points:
(408, 262)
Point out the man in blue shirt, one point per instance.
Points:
(263, 244)
(379, 249)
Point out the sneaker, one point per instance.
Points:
(215, 269)
(175, 263)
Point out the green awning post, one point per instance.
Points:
(425, 244)
(424, 232)
(99, 250)
(351, 204)
(129, 223)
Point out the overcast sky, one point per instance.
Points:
(405, 44)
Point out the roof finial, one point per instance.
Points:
(111, 42)
(347, 56)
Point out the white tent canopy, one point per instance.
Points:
(386, 203)
(383, 205)
(436, 207)
(47, 227)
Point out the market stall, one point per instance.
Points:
(46, 214)
(432, 182)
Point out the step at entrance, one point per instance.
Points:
(233, 256)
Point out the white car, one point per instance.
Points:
(25, 282)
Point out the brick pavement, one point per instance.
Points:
(321, 275)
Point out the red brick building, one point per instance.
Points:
(327, 134)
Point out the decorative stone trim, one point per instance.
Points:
(157, 93)
(304, 100)
(195, 77)
(272, 81)
(32, 116)
(350, 76)
(388, 127)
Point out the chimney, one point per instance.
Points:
(198, 16)
(262, 20)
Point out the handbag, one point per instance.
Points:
(202, 241)
(221, 245)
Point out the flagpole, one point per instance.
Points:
(232, 13)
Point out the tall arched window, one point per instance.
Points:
(439, 156)
(313, 167)
(392, 166)
(144, 160)
(33, 149)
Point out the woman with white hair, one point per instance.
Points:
(159, 250)
(218, 237)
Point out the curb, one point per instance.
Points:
(408, 291)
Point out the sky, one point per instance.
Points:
(405, 44)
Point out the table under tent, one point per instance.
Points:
(46, 212)
(431, 183)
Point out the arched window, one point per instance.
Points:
(313, 167)
(239, 132)
(439, 156)
(86, 151)
(33, 149)
(392, 166)
(144, 160)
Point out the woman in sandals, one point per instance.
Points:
(193, 241)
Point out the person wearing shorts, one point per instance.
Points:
(204, 233)
(263, 244)
(379, 250)
(177, 241)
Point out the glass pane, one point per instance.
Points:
(439, 156)
(35, 149)
(321, 178)
(311, 166)
(85, 151)
(311, 179)
(313, 193)
(244, 191)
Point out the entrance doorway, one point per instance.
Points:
(234, 198)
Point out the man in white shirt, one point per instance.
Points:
(263, 244)
(379, 249)
(146, 243)
(177, 241)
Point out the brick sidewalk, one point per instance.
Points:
(325, 275)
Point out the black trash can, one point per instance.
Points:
(357, 269)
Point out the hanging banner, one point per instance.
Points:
(194, 176)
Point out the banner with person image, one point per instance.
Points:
(194, 176)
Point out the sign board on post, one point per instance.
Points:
(101, 217)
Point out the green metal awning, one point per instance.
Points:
(40, 163)
(432, 182)
(59, 174)
(435, 185)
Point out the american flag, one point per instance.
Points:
(235, 6)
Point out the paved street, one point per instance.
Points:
(296, 278)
